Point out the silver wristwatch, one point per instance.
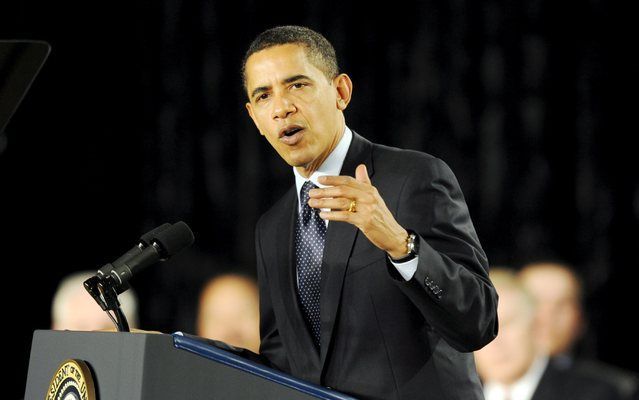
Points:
(412, 247)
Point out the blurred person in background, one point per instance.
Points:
(561, 322)
(229, 311)
(514, 367)
(557, 291)
(74, 309)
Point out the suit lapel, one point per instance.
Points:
(340, 238)
(551, 385)
(287, 281)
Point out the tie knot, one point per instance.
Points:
(304, 192)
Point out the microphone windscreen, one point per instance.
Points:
(175, 238)
(148, 237)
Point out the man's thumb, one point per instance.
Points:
(361, 174)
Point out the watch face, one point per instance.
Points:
(412, 242)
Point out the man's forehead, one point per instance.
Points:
(550, 275)
(278, 63)
(288, 51)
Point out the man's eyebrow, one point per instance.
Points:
(298, 77)
(259, 90)
(291, 79)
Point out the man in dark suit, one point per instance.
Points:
(515, 367)
(570, 384)
(561, 320)
(373, 284)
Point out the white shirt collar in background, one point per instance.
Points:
(522, 389)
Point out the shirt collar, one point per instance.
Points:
(523, 388)
(331, 166)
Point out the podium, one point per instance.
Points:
(136, 366)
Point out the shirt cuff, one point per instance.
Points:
(407, 268)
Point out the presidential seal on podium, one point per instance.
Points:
(72, 381)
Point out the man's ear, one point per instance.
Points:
(344, 87)
(249, 108)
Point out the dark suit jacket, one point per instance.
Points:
(383, 337)
(624, 381)
(570, 384)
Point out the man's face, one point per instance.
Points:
(230, 311)
(509, 356)
(82, 313)
(558, 309)
(294, 105)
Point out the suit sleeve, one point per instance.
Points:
(450, 287)
(271, 347)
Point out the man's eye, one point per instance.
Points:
(299, 85)
(262, 96)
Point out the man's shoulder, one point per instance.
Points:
(561, 379)
(626, 382)
(406, 161)
(400, 155)
(275, 211)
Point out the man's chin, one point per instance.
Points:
(297, 162)
(301, 167)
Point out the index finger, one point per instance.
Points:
(337, 180)
(336, 191)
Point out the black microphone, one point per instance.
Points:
(112, 279)
(145, 241)
(156, 245)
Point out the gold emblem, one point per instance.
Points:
(72, 381)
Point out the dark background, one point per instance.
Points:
(138, 118)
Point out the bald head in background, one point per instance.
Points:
(507, 358)
(515, 366)
(229, 311)
(557, 291)
(74, 309)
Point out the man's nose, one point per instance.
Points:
(282, 107)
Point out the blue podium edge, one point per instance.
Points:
(205, 350)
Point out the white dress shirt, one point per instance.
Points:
(523, 388)
(332, 166)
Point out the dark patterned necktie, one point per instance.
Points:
(310, 233)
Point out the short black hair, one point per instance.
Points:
(319, 50)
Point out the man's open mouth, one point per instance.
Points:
(292, 135)
(290, 131)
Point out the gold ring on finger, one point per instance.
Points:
(353, 206)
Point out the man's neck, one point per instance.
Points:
(331, 166)
(521, 388)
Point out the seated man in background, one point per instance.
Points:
(513, 367)
(74, 309)
(558, 292)
(229, 311)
